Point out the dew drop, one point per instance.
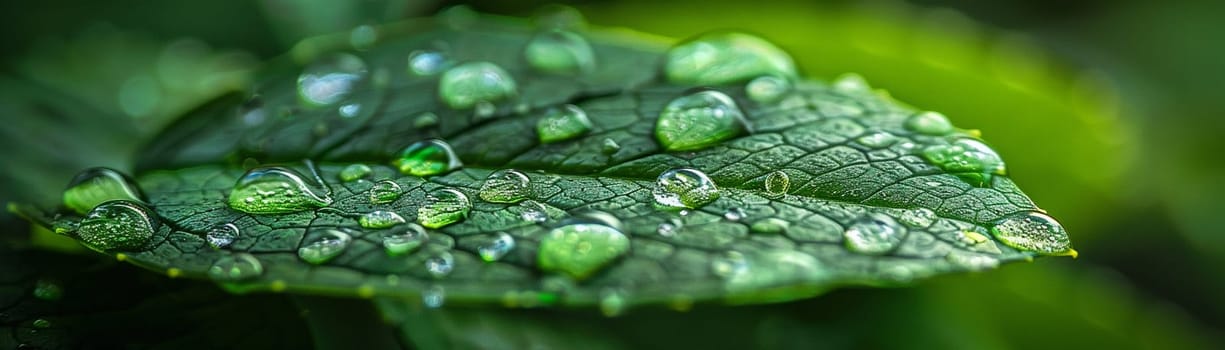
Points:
(767, 88)
(874, 234)
(331, 79)
(440, 264)
(918, 217)
(443, 207)
(467, 84)
(118, 224)
(559, 52)
(929, 123)
(425, 120)
(505, 186)
(403, 239)
(429, 157)
(729, 264)
(349, 110)
(734, 214)
(235, 267)
(563, 123)
(41, 323)
(222, 235)
(385, 191)
(725, 57)
(96, 185)
(971, 261)
(851, 82)
(684, 188)
(533, 212)
(777, 183)
(380, 219)
(699, 120)
(1035, 232)
(582, 245)
(494, 248)
(434, 297)
(770, 225)
(878, 140)
(427, 62)
(48, 290)
(325, 247)
(353, 172)
(969, 159)
(669, 227)
(612, 303)
(610, 146)
(275, 190)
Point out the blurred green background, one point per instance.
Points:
(1108, 112)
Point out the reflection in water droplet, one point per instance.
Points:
(767, 88)
(426, 62)
(443, 207)
(467, 84)
(583, 245)
(699, 120)
(222, 235)
(429, 157)
(275, 190)
(404, 239)
(380, 219)
(235, 267)
(1034, 232)
(683, 188)
(385, 191)
(325, 247)
(874, 234)
(494, 248)
(725, 57)
(777, 183)
(330, 79)
(118, 224)
(559, 52)
(354, 172)
(563, 123)
(918, 217)
(440, 264)
(930, 123)
(96, 185)
(505, 186)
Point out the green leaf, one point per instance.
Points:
(800, 191)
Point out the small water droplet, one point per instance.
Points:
(929, 123)
(559, 52)
(330, 79)
(440, 264)
(776, 184)
(236, 267)
(563, 123)
(467, 84)
(505, 186)
(275, 190)
(610, 146)
(918, 217)
(96, 185)
(533, 212)
(683, 188)
(354, 172)
(699, 120)
(767, 88)
(971, 237)
(425, 120)
(118, 224)
(325, 247)
(582, 245)
(434, 297)
(729, 264)
(385, 191)
(874, 234)
(734, 214)
(429, 157)
(427, 62)
(669, 227)
(851, 82)
(494, 248)
(403, 239)
(48, 290)
(612, 303)
(41, 323)
(349, 110)
(1035, 232)
(380, 219)
(725, 57)
(484, 109)
(222, 235)
(969, 159)
(443, 207)
(770, 225)
(879, 139)
(363, 37)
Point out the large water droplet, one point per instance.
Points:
(429, 157)
(918, 217)
(118, 224)
(427, 62)
(235, 267)
(684, 188)
(582, 245)
(719, 58)
(380, 219)
(1035, 232)
(777, 183)
(929, 123)
(969, 159)
(561, 124)
(469, 83)
(505, 186)
(440, 264)
(222, 235)
(385, 191)
(275, 190)
(330, 79)
(326, 246)
(699, 120)
(443, 207)
(874, 234)
(559, 52)
(766, 89)
(354, 172)
(493, 248)
(404, 239)
(96, 185)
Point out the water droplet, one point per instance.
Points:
(330, 79)
(385, 191)
(612, 303)
(725, 57)
(275, 190)
(48, 290)
(354, 172)
(559, 52)
(464, 85)
(918, 217)
(533, 212)
(610, 146)
(496, 247)
(582, 245)
(349, 110)
(851, 82)
(484, 109)
(770, 225)
(767, 88)
(434, 297)
(118, 224)
(561, 124)
(729, 264)
(429, 157)
(777, 183)
(969, 159)
(427, 62)
(236, 267)
(879, 139)
(363, 37)
(325, 247)
(1035, 232)
(440, 264)
(506, 186)
(970, 261)
(734, 214)
(684, 188)
(222, 235)
(380, 219)
(425, 120)
(971, 237)
(929, 123)
(874, 234)
(404, 239)
(443, 207)
(699, 120)
(41, 324)
(96, 185)
(668, 228)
